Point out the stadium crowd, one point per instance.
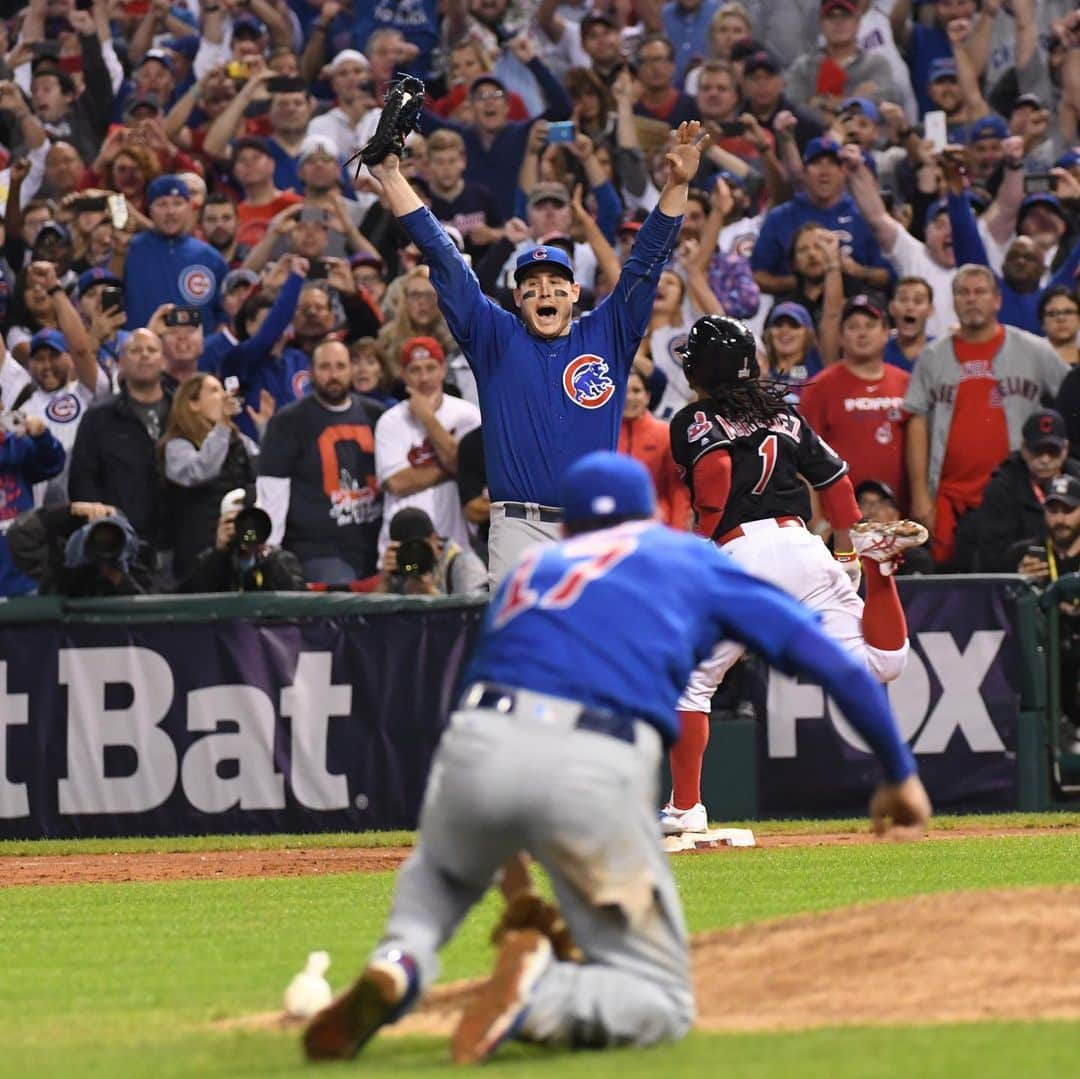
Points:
(198, 300)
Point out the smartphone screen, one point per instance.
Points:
(936, 130)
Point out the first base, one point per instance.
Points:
(714, 837)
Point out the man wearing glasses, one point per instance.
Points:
(494, 146)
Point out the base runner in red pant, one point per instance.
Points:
(745, 453)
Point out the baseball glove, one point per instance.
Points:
(528, 911)
(400, 114)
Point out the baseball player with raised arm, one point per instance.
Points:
(555, 749)
(745, 454)
(551, 387)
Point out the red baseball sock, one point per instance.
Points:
(686, 757)
(883, 623)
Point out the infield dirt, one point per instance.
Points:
(116, 868)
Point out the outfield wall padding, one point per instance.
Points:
(317, 713)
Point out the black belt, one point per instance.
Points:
(503, 699)
(547, 515)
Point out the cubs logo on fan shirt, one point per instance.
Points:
(63, 408)
(301, 384)
(586, 382)
(197, 284)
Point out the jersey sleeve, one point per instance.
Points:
(917, 400)
(479, 325)
(819, 463)
(391, 446)
(694, 433)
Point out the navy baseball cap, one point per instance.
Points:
(1045, 427)
(794, 311)
(1068, 160)
(53, 339)
(606, 484)
(819, 147)
(97, 276)
(944, 67)
(552, 258)
(989, 127)
(941, 206)
(1064, 489)
(186, 46)
(1042, 198)
(863, 305)
(863, 105)
(486, 78)
(248, 26)
(762, 60)
(164, 186)
(875, 487)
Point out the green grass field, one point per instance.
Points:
(127, 979)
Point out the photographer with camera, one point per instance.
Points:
(241, 560)
(419, 562)
(79, 550)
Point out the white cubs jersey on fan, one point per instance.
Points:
(61, 409)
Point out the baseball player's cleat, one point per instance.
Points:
(676, 821)
(883, 543)
(381, 995)
(502, 1003)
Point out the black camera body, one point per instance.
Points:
(252, 528)
(184, 316)
(414, 559)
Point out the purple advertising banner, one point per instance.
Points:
(315, 725)
(956, 703)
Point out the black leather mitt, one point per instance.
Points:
(400, 114)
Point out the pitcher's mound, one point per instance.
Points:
(952, 957)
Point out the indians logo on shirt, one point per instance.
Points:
(423, 454)
(63, 408)
(354, 502)
(197, 284)
(701, 426)
(585, 380)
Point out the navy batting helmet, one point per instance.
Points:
(719, 349)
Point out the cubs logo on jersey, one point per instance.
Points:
(301, 384)
(63, 408)
(197, 284)
(586, 382)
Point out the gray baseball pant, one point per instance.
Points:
(510, 537)
(583, 804)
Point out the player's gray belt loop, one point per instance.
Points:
(533, 511)
(530, 705)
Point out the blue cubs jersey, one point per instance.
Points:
(181, 270)
(546, 403)
(782, 222)
(581, 619)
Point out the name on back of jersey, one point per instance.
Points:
(785, 423)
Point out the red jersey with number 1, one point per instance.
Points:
(768, 463)
(863, 420)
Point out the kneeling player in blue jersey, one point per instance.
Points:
(555, 749)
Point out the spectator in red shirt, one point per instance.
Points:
(857, 405)
(253, 167)
(648, 439)
(655, 71)
(469, 61)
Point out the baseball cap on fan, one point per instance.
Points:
(551, 258)
(53, 339)
(1063, 489)
(605, 484)
(1045, 427)
(863, 305)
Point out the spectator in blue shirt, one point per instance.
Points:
(825, 201)
(417, 20)
(686, 25)
(494, 146)
(921, 44)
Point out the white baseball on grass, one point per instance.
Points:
(309, 992)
